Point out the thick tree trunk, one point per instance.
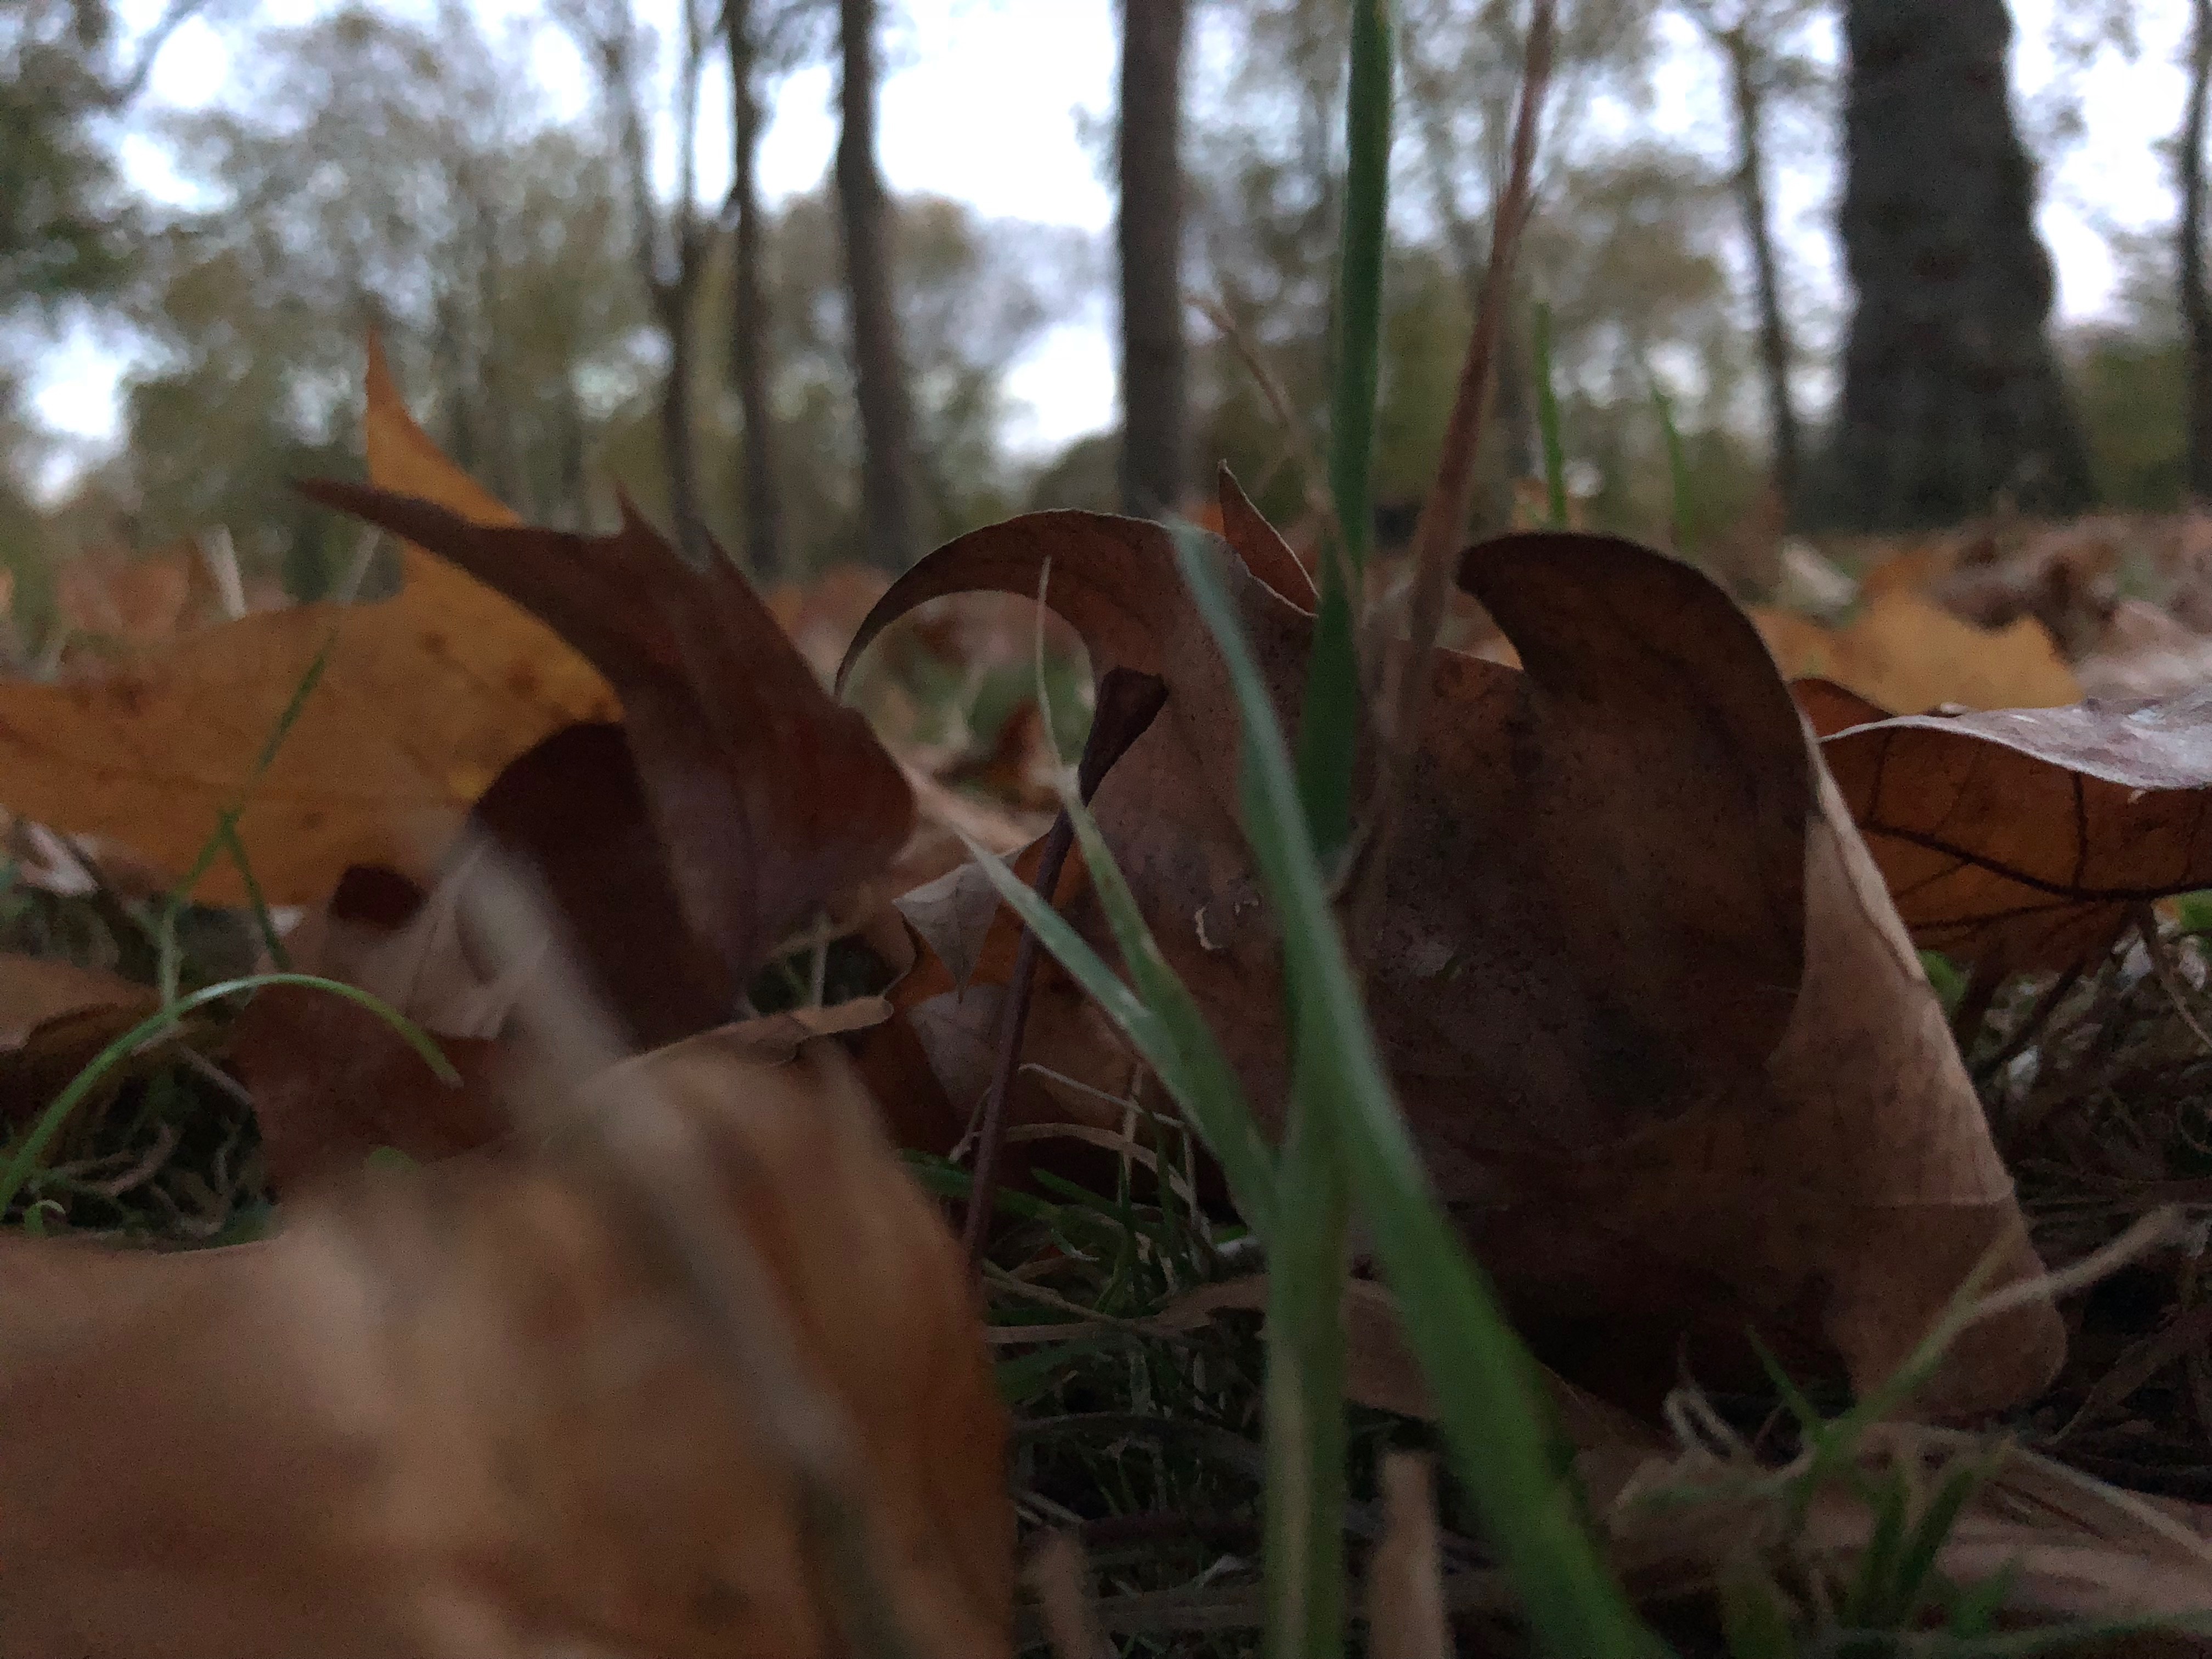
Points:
(1774, 353)
(1155, 434)
(749, 324)
(2196, 303)
(1952, 398)
(879, 369)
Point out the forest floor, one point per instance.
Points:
(1123, 1297)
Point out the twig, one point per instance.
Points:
(1128, 702)
(1443, 514)
(1057, 1572)
(1404, 1578)
(2032, 1026)
(357, 571)
(220, 554)
(2169, 977)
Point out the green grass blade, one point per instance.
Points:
(1547, 422)
(1164, 1022)
(1305, 1427)
(1305, 1432)
(224, 838)
(1871, 1600)
(1916, 1566)
(25, 1162)
(1485, 1386)
(263, 921)
(1329, 728)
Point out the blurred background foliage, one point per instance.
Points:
(564, 320)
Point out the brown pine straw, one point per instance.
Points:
(1443, 522)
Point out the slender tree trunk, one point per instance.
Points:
(749, 325)
(674, 302)
(1952, 398)
(1774, 353)
(879, 369)
(574, 511)
(1155, 425)
(2196, 303)
(451, 354)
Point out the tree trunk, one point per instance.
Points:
(1774, 352)
(749, 325)
(1952, 398)
(1154, 415)
(674, 302)
(880, 371)
(2195, 304)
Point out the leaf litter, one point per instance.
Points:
(1711, 1090)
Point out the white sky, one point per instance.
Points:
(985, 101)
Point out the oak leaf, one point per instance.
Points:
(422, 698)
(2027, 837)
(1662, 1042)
(766, 798)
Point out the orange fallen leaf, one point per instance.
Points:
(1654, 1023)
(479, 1409)
(422, 698)
(1904, 652)
(2027, 837)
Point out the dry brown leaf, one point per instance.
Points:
(423, 698)
(2027, 836)
(54, 1018)
(1904, 652)
(768, 799)
(331, 1082)
(1259, 544)
(1662, 1042)
(949, 1011)
(469, 1411)
(34, 990)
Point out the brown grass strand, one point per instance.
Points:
(1443, 522)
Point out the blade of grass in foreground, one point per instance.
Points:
(1305, 1362)
(25, 1162)
(1160, 1018)
(1329, 728)
(224, 839)
(1487, 1388)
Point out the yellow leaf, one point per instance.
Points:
(423, 698)
(1909, 656)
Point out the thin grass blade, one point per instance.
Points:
(1484, 1382)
